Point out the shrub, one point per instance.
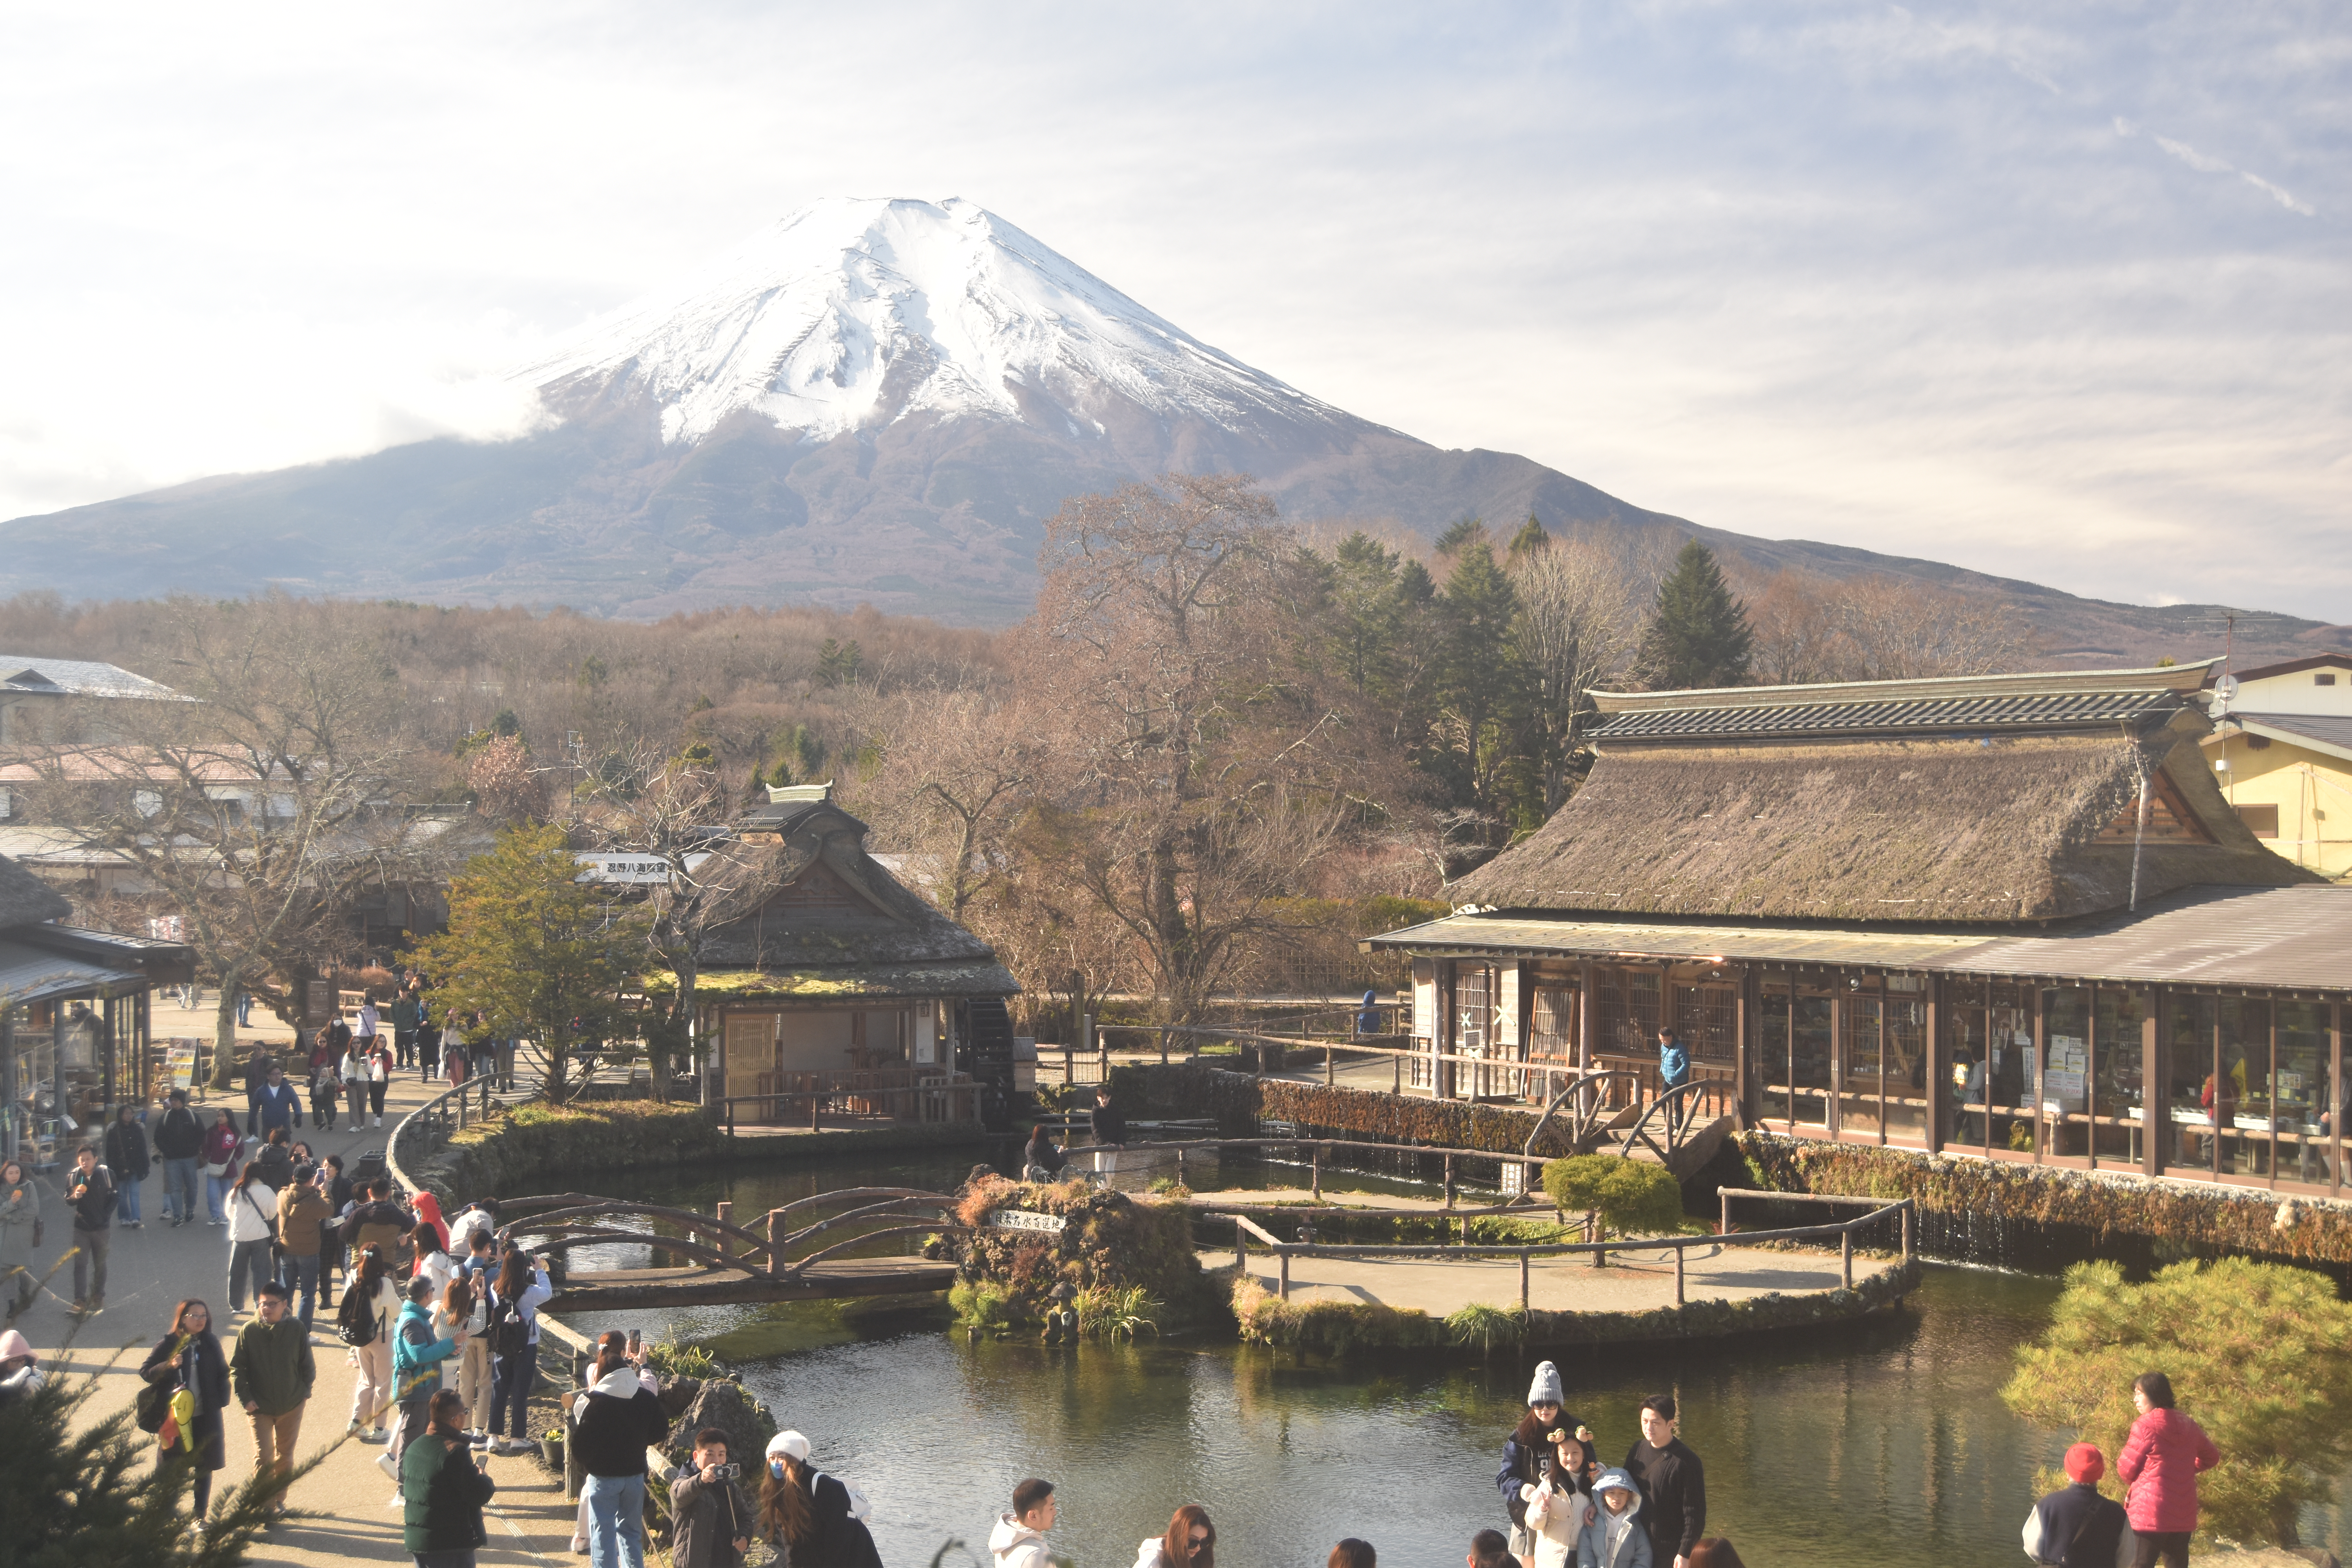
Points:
(2260, 1355)
(1482, 1325)
(1628, 1195)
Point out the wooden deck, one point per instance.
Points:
(695, 1287)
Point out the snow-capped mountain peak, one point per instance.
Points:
(851, 313)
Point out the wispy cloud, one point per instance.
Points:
(2205, 163)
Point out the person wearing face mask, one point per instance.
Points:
(810, 1516)
(1547, 1436)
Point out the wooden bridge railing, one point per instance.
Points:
(1244, 1228)
(576, 1219)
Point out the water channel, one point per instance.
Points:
(1834, 1449)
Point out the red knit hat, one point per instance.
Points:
(2085, 1464)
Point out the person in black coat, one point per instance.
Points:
(127, 1155)
(190, 1357)
(1672, 1483)
(807, 1515)
(1041, 1159)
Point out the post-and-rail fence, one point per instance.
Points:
(775, 1250)
(1244, 1229)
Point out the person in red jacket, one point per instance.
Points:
(2158, 1466)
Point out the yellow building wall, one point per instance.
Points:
(2312, 790)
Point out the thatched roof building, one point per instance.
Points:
(2006, 798)
(2010, 916)
(821, 971)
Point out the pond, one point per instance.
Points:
(1850, 1446)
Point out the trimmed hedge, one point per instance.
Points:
(531, 1144)
(2179, 1215)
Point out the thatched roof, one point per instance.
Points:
(26, 899)
(1975, 828)
(807, 911)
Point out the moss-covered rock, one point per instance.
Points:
(1111, 1243)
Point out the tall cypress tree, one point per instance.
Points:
(1699, 635)
(1481, 675)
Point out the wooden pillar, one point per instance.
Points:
(2335, 1097)
(1845, 1254)
(1523, 1281)
(1940, 1065)
(2153, 1094)
(2042, 1131)
(1282, 1287)
(1882, 995)
(775, 1244)
(1832, 1111)
(1678, 1276)
(2269, 1012)
(1743, 1071)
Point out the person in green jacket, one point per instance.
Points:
(270, 1372)
(444, 1488)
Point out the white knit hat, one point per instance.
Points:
(1545, 1389)
(790, 1443)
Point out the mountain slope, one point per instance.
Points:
(876, 401)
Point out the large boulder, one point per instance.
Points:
(725, 1403)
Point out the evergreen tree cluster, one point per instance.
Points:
(1455, 674)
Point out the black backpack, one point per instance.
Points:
(509, 1329)
(356, 1317)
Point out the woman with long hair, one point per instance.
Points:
(464, 1316)
(20, 1210)
(372, 1389)
(187, 1362)
(522, 1285)
(252, 1227)
(808, 1515)
(218, 1154)
(1190, 1541)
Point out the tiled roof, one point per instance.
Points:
(2046, 712)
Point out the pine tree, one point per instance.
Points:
(1531, 536)
(1481, 677)
(1699, 635)
(74, 1493)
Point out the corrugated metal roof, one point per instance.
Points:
(1973, 715)
(2281, 939)
(1614, 938)
(77, 677)
(32, 973)
(2285, 938)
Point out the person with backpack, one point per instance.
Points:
(371, 1306)
(613, 1421)
(522, 1285)
(272, 1373)
(464, 1315)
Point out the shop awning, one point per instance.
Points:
(35, 974)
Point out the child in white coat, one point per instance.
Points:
(1557, 1512)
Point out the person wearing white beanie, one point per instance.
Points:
(1548, 1445)
(814, 1519)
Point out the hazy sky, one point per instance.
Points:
(2061, 292)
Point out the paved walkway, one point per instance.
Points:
(153, 1267)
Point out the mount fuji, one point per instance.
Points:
(871, 401)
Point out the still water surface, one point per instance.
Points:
(1886, 1443)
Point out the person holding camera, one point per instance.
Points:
(712, 1510)
(612, 1424)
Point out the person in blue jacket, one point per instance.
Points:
(1368, 1022)
(1673, 1060)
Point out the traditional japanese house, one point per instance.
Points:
(74, 1034)
(821, 976)
(2010, 916)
